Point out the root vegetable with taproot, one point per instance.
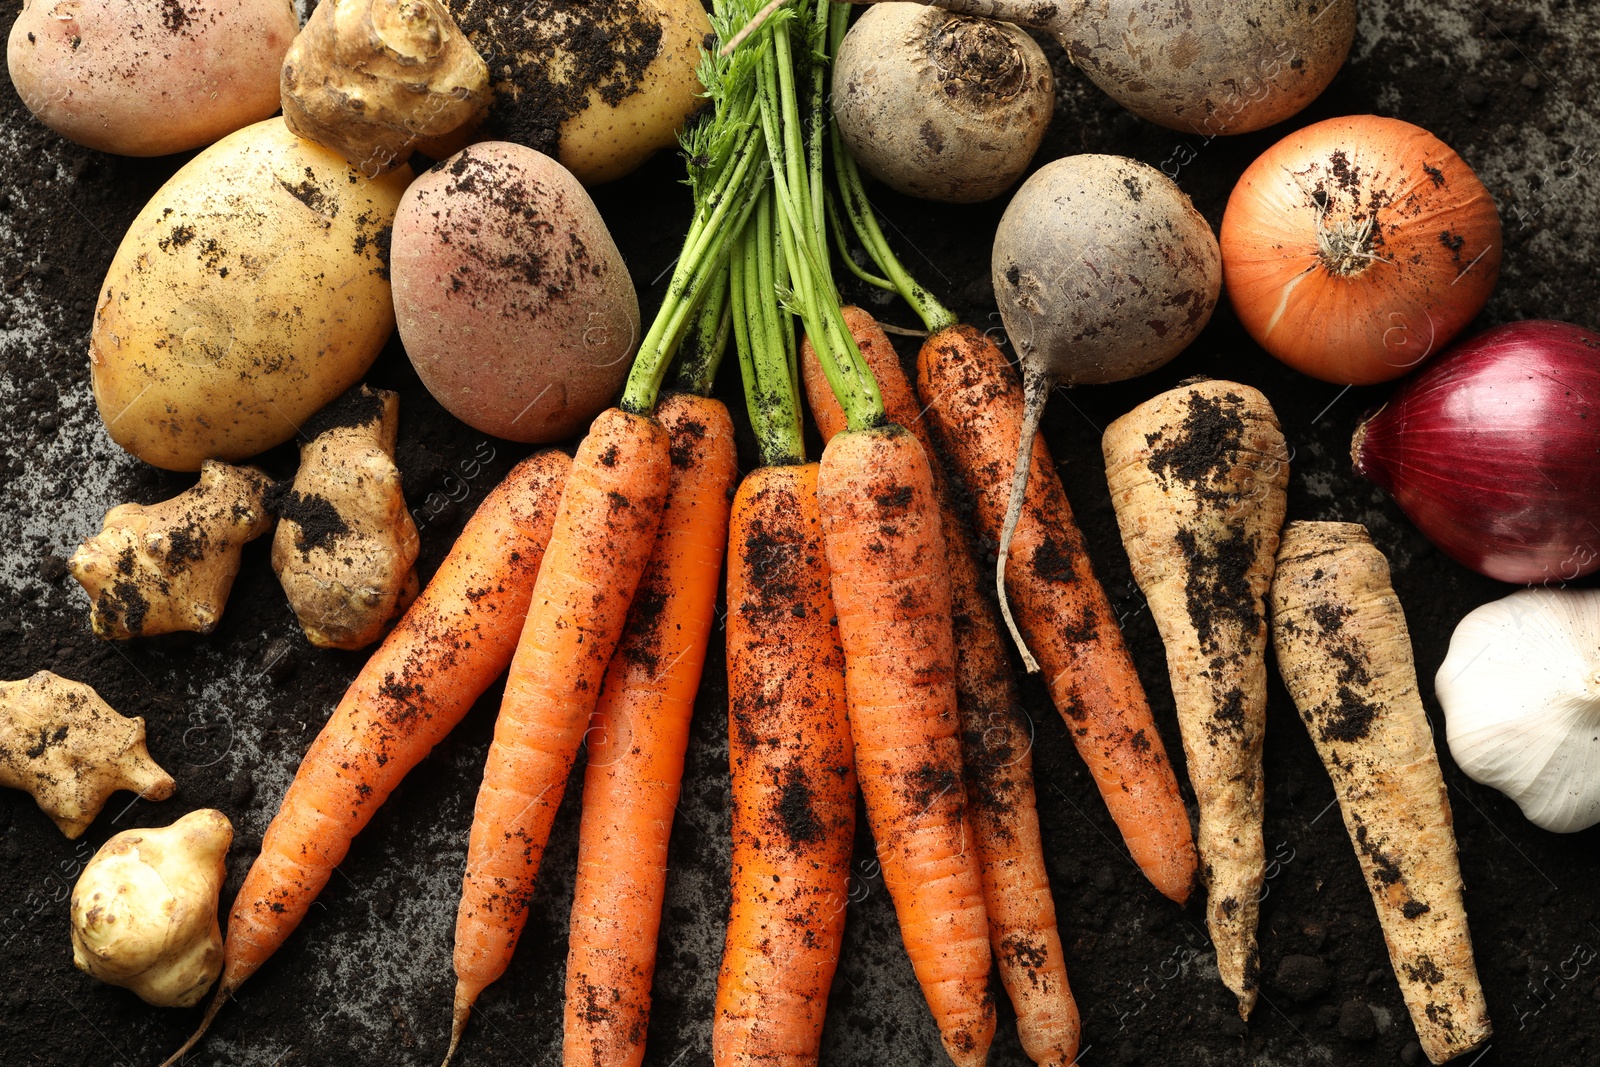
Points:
(884, 543)
(975, 404)
(602, 539)
(1345, 655)
(1199, 480)
(996, 736)
(790, 753)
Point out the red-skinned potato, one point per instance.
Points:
(510, 295)
(147, 77)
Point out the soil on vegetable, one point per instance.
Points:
(366, 981)
(607, 47)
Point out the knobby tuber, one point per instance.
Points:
(1199, 479)
(375, 79)
(60, 742)
(144, 911)
(163, 567)
(346, 547)
(1345, 656)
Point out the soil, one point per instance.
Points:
(367, 977)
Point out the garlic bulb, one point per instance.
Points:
(1520, 689)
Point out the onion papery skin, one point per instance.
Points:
(1426, 267)
(1493, 451)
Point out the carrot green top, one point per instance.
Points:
(794, 148)
(727, 166)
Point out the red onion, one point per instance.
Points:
(1493, 450)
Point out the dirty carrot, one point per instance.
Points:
(996, 739)
(884, 545)
(975, 405)
(636, 741)
(451, 644)
(790, 759)
(1345, 655)
(1199, 480)
(602, 537)
(604, 533)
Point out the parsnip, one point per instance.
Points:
(1199, 479)
(1345, 655)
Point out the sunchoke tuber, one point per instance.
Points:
(162, 567)
(374, 79)
(144, 911)
(66, 746)
(346, 547)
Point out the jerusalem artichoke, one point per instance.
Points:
(66, 746)
(144, 911)
(169, 566)
(346, 547)
(371, 79)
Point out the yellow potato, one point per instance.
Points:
(248, 293)
(147, 77)
(601, 93)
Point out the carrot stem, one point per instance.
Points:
(705, 253)
(842, 243)
(803, 234)
(727, 162)
(697, 365)
(934, 315)
(767, 355)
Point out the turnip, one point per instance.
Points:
(941, 106)
(1207, 66)
(1103, 270)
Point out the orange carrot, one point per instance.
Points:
(975, 403)
(996, 738)
(602, 537)
(789, 754)
(454, 641)
(636, 741)
(886, 552)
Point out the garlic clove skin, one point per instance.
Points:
(144, 911)
(1520, 688)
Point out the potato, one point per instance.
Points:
(149, 77)
(601, 93)
(248, 293)
(512, 300)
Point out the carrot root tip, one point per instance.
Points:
(224, 991)
(458, 1021)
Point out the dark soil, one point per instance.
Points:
(366, 980)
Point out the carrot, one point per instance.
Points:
(885, 550)
(456, 638)
(996, 739)
(1199, 479)
(636, 741)
(789, 748)
(793, 777)
(601, 540)
(1345, 655)
(975, 404)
